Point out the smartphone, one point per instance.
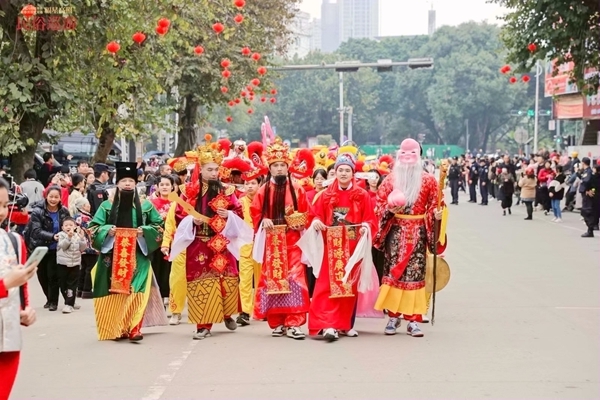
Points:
(36, 257)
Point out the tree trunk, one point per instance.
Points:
(187, 134)
(31, 127)
(105, 143)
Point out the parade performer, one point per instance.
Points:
(302, 167)
(279, 213)
(211, 269)
(407, 211)
(126, 231)
(249, 269)
(343, 214)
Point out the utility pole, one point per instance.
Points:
(538, 72)
(350, 110)
(467, 141)
(341, 74)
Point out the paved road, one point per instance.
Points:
(519, 319)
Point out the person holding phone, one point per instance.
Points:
(46, 220)
(14, 310)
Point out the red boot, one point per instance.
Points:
(136, 333)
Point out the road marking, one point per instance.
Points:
(577, 308)
(156, 391)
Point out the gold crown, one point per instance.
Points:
(296, 219)
(277, 152)
(209, 153)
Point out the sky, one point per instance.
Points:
(409, 17)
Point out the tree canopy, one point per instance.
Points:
(565, 31)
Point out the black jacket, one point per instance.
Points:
(96, 195)
(40, 229)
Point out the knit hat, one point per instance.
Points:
(345, 159)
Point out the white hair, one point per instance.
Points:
(408, 179)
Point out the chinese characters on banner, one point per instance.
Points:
(47, 23)
(276, 261)
(338, 253)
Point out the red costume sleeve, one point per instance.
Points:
(256, 207)
(3, 290)
(317, 211)
(302, 201)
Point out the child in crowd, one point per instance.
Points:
(71, 242)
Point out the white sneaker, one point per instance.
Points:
(330, 334)
(295, 332)
(558, 220)
(175, 319)
(278, 332)
(553, 219)
(351, 333)
(67, 310)
(77, 306)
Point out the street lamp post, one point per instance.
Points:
(341, 74)
(538, 72)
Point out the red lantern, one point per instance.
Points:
(251, 97)
(532, 47)
(238, 19)
(28, 11)
(225, 63)
(113, 47)
(231, 104)
(239, 3)
(273, 100)
(243, 93)
(164, 22)
(226, 74)
(263, 99)
(198, 50)
(161, 30)
(261, 70)
(250, 111)
(237, 101)
(256, 56)
(138, 37)
(505, 69)
(228, 119)
(273, 91)
(512, 79)
(525, 78)
(255, 81)
(246, 51)
(218, 27)
(224, 89)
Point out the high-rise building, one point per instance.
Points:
(346, 19)
(358, 19)
(330, 31)
(431, 21)
(301, 31)
(315, 35)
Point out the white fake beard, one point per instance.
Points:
(408, 179)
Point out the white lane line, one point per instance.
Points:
(156, 391)
(577, 308)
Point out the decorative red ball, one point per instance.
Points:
(273, 100)
(161, 30)
(224, 89)
(164, 22)
(273, 91)
(238, 19)
(138, 37)
(243, 93)
(218, 27)
(532, 47)
(261, 70)
(525, 78)
(246, 51)
(237, 101)
(226, 74)
(198, 50)
(263, 99)
(256, 56)
(228, 119)
(239, 3)
(225, 63)
(255, 81)
(512, 79)
(231, 103)
(113, 47)
(250, 111)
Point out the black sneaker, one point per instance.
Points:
(588, 234)
(47, 305)
(243, 319)
(53, 307)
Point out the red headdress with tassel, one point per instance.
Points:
(255, 152)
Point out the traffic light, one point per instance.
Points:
(530, 113)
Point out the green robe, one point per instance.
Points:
(119, 314)
(152, 226)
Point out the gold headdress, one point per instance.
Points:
(277, 152)
(209, 152)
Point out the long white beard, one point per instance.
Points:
(408, 179)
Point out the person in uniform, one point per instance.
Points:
(473, 176)
(484, 181)
(97, 192)
(454, 173)
(588, 191)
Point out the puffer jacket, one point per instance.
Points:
(69, 250)
(39, 231)
(528, 185)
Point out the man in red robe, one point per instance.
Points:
(343, 213)
(211, 270)
(279, 213)
(407, 209)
